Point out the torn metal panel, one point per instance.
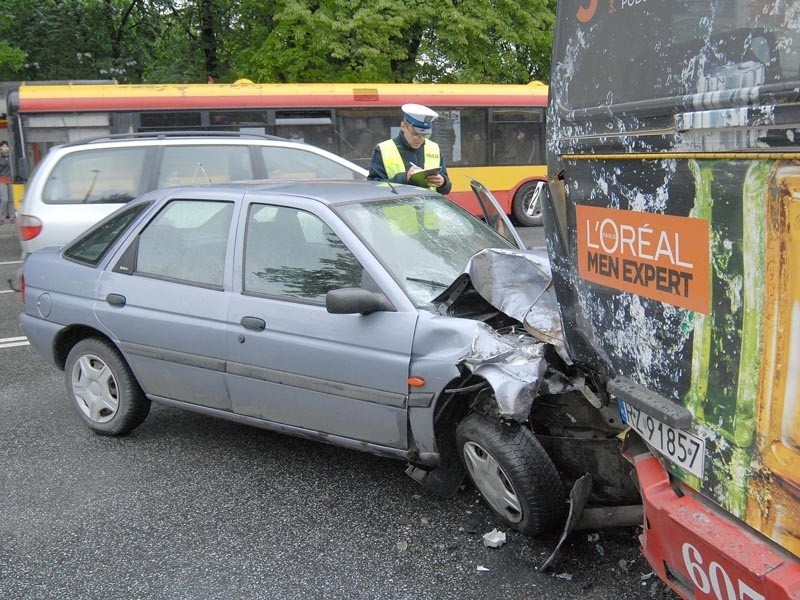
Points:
(513, 364)
(507, 294)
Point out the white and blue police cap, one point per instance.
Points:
(419, 117)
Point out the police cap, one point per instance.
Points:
(419, 117)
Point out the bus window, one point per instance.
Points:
(516, 137)
(313, 127)
(248, 121)
(360, 130)
(163, 121)
(474, 139)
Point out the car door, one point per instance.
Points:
(494, 216)
(292, 362)
(165, 301)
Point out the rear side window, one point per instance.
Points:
(194, 165)
(293, 163)
(110, 175)
(90, 248)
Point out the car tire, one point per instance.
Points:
(512, 471)
(527, 204)
(103, 388)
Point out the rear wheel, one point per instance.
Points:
(512, 471)
(103, 388)
(527, 204)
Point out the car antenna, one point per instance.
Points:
(394, 191)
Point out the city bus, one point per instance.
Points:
(492, 133)
(673, 224)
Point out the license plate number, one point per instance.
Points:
(679, 446)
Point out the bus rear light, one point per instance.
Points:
(28, 227)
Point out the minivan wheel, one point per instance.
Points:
(512, 471)
(103, 388)
(527, 204)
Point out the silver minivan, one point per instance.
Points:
(78, 184)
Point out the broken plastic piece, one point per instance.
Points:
(482, 569)
(494, 539)
(567, 576)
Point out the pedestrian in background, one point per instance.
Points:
(397, 159)
(6, 206)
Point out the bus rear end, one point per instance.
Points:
(673, 228)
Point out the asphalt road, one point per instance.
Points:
(190, 507)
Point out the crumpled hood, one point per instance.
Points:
(515, 282)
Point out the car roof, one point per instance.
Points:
(325, 191)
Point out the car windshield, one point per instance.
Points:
(424, 241)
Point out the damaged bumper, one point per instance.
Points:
(699, 551)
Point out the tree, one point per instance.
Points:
(277, 40)
(387, 40)
(77, 39)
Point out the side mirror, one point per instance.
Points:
(351, 301)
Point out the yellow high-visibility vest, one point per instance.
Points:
(393, 162)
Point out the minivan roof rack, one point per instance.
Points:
(160, 135)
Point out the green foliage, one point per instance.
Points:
(277, 40)
(11, 57)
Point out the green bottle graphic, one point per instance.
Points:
(727, 342)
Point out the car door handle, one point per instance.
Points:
(116, 299)
(254, 323)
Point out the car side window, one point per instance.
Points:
(111, 175)
(194, 165)
(292, 163)
(186, 241)
(293, 254)
(93, 245)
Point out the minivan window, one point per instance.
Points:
(194, 165)
(110, 175)
(292, 163)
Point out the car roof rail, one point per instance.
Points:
(161, 135)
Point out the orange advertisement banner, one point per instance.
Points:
(662, 257)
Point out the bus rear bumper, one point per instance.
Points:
(700, 552)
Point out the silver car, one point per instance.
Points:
(377, 317)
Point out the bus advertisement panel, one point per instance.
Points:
(492, 133)
(674, 232)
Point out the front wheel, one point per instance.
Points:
(527, 204)
(512, 471)
(103, 389)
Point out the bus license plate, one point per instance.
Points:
(679, 446)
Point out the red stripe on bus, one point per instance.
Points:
(169, 102)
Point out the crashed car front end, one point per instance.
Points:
(492, 343)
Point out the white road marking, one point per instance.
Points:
(13, 342)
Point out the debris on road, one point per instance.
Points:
(494, 539)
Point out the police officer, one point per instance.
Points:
(399, 158)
